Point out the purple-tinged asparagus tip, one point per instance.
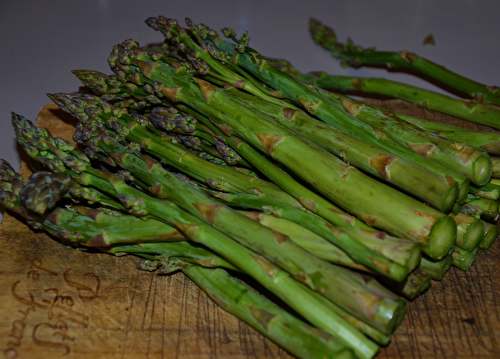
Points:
(44, 190)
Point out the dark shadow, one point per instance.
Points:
(64, 117)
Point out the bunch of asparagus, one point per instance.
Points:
(202, 156)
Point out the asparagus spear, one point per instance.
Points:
(482, 207)
(166, 252)
(436, 269)
(342, 221)
(431, 126)
(356, 56)
(470, 231)
(378, 336)
(485, 141)
(470, 111)
(412, 137)
(415, 284)
(495, 161)
(490, 236)
(430, 100)
(406, 152)
(181, 250)
(96, 227)
(462, 258)
(488, 191)
(198, 255)
(296, 261)
(306, 239)
(165, 255)
(172, 121)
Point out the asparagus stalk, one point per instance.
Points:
(182, 251)
(415, 284)
(165, 255)
(424, 184)
(378, 336)
(298, 262)
(314, 342)
(431, 126)
(482, 207)
(473, 112)
(373, 333)
(488, 191)
(410, 287)
(430, 100)
(95, 227)
(185, 251)
(374, 285)
(356, 56)
(262, 266)
(172, 121)
(495, 173)
(485, 141)
(490, 236)
(436, 269)
(462, 258)
(470, 231)
(150, 68)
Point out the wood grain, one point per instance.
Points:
(60, 302)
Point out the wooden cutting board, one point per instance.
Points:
(61, 302)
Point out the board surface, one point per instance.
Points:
(62, 302)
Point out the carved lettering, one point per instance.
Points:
(37, 263)
(59, 305)
(85, 293)
(59, 333)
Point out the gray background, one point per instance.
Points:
(41, 41)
